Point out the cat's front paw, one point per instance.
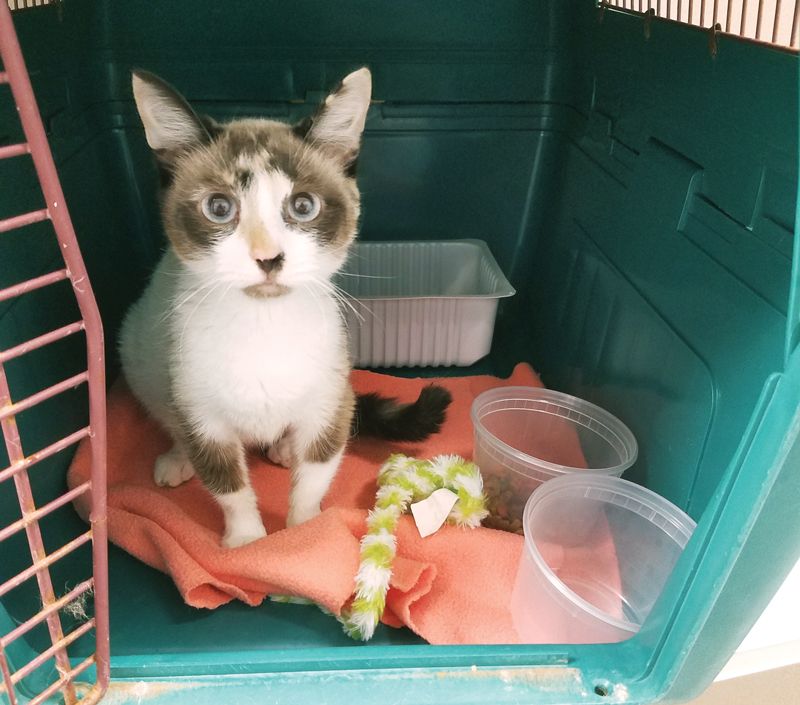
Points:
(239, 537)
(299, 515)
(172, 469)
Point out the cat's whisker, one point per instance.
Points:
(172, 310)
(345, 302)
(340, 310)
(364, 306)
(343, 247)
(189, 317)
(349, 295)
(365, 276)
(342, 297)
(173, 272)
(309, 288)
(342, 303)
(331, 291)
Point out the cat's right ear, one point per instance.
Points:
(170, 124)
(337, 127)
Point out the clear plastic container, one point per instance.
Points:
(524, 436)
(421, 303)
(598, 552)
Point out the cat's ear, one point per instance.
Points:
(170, 124)
(339, 123)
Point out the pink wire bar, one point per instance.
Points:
(40, 341)
(25, 627)
(17, 580)
(3, 77)
(49, 508)
(16, 74)
(19, 221)
(40, 455)
(93, 697)
(44, 395)
(33, 284)
(47, 654)
(7, 685)
(8, 424)
(14, 150)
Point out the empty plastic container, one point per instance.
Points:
(422, 303)
(527, 435)
(570, 588)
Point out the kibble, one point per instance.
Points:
(505, 499)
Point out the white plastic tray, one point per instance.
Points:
(422, 303)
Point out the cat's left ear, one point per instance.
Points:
(339, 124)
(170, 124)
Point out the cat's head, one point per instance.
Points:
(256, 204)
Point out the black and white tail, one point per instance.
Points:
(384, 417)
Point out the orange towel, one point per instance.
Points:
(452, 587)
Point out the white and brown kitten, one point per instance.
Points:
(238, 340)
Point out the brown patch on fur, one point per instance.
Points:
(244, 177)
(333, 438)
(220, 466)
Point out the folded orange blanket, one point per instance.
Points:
(450, 588)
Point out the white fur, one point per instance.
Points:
(242, 369)
(311, 482)
(242, 520)
(246, 369)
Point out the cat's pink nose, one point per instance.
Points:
(268, 252)
(272, 264)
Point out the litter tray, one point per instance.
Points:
(422, 303)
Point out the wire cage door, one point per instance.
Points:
(774, 22)
(62, 687)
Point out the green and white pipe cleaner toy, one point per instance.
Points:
(401, 482)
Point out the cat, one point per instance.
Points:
(237, 341)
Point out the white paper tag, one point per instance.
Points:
(430, 513)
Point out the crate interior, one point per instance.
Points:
(639, 195)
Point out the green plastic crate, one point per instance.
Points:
(640, 194)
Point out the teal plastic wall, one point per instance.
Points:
(639, 193)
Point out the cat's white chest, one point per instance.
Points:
(256, 365)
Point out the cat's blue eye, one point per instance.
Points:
(219, 208)
(304, 207)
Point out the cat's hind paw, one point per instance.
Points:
(280, 453)
(172, 469)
